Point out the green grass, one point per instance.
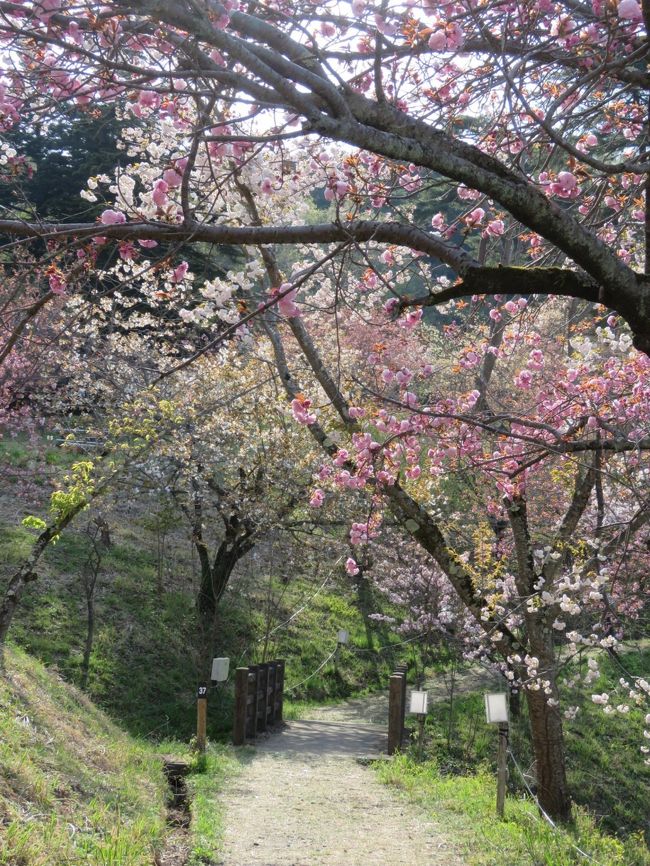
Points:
(205, 786)
(464, 808)
(309, 639)
(606, 769)
(75, 789)
(607, 777)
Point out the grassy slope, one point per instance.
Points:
(606, 772)
(73, 787)
(465, 807)
(143, 669)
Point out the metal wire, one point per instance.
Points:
(547, 817)
(313, 674)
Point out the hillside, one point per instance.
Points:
(74, 788)
(146, 655)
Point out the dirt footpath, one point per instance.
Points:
(304, 800)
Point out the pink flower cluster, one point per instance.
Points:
(300, 410)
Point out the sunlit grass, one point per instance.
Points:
(75, 788)
(464, 807)
(205, 786)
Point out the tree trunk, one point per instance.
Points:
(90, 633)
(11, 600)
(215, 577)
(548, 746)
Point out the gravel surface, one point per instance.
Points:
(304, 800)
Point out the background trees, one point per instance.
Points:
(239, 122)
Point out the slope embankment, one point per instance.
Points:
(74, 788)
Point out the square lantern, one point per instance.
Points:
(496, 708)
(220, 670)
(419, 701)
(342, 636)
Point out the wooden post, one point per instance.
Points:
(201, 716)
(241, 707)
(279, 690)
(273, 673)
(402, 669)
(421, 720)
(502, 758)
(253, 689)
(395, 730)
(262, 695)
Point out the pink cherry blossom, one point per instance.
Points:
(57, 283)
(390, 305)
(160, 193)
(412, 318)
(495, 228)
(287, 304)
(172, 178)
(317, 498)
(179, 272)
(351, 567)
(629, 10)
(524, 379)
(299, 408)
(437, 40)
(112, 218)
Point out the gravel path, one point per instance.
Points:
(304, 800)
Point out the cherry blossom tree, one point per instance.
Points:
(537, 111)
(533, 118)
(525, 482)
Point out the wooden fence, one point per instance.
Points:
(396, 708)
(259, 692)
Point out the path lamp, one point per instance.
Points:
(496, 713)
(342, 637)
(219, 674)
(418, 707)
(220, 669)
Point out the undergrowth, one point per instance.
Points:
(212, 770)
(465, 807)
(73, 788)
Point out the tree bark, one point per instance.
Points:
(90, 635)
(11, 600)
(548, 746)
(27, 574)
(215, 576)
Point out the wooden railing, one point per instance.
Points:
(259, 693)
(396, 708)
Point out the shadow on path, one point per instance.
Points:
(328, 739)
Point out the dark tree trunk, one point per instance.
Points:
(215, 576)
(90, 634)
(12, 597)
(548, 746)
(27, 574)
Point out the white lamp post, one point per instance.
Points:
(220, 669)
(496, 713)
(496, 708)
(418, 706)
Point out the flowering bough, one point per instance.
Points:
(547, 169)
(194, 67)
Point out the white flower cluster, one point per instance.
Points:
(7, 152)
